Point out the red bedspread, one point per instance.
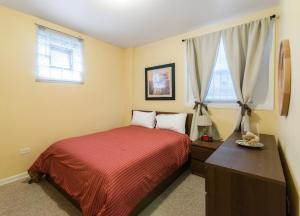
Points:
(109, 172)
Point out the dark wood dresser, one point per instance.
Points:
(201, 150)
(245, 182)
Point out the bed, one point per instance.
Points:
(116, 172)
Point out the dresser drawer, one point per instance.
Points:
(198, 167)
(200, 153)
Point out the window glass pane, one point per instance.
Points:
(221, 87)
(67, 75)
(59, 56)
(77, 76)
(56, 74)
(45, 72)
(43, 61)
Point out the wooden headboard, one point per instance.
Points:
(188, 122)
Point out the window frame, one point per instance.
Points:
(57, 81)
(68, 52)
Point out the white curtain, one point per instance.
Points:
(201, 53)
(244, 46)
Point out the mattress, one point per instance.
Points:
(109, 173)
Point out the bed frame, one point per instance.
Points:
(158, 189)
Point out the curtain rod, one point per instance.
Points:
(271, 17)
(78, 37)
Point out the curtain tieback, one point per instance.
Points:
(202, 105)
(245, 108)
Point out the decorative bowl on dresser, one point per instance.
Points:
(201, 150)
(245, 182)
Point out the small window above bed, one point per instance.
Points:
(59, 57)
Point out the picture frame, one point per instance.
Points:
(284, 77)
(160, 82)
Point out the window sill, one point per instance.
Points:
(229, 105)
(223, 105)
(60, 81)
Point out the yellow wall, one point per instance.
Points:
(172, 50)
(35, 114)
(128, 69)
(289, 133)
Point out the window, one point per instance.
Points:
(221, 91)
(59, 57)
(221, 87)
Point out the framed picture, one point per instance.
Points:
(160, 82)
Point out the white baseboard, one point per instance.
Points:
(11, 179)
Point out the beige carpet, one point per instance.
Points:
(185, 197)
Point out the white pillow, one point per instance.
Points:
(175, 122)
(145, 119)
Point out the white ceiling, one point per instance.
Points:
(129, 23)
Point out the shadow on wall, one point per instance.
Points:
(292, 194)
